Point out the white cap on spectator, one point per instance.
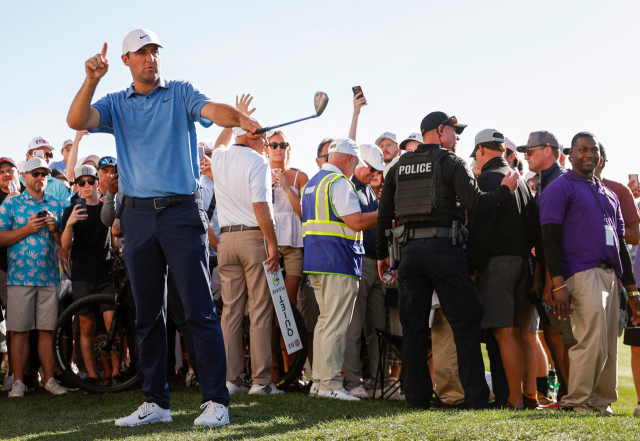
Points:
(239, 131)
(67, 142)
(139, 38)
(346, 146)
(38, 142)
(35, 163)
(372, 155)
(489, 135)
(410, 138)
(208, 145)
(20, 166)
(510, 145)
(85, 170)
(93, 158)
(386, 135)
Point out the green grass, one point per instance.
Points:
(41, 416)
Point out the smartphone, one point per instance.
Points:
(38, 153)
(115, 169)
(82, 202)
(357, 90)
(201, 153)
(43, 213)
(633, 181)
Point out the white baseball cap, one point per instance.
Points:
(411, 138)
(489, 135)
(510, 145)
(372, 155)
(85, 170)
(35, 163)
(139, 38)
(38, 142)
(239, 131)
(93, 158)
(208, 145)
(386, 135)
(347, 146)
(67, 142)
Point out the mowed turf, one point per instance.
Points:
(41, 416)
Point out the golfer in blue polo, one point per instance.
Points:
(163, 220)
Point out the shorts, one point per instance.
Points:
(31, 307)
(292, 260)
(562, 327)
(502, 287)
(83, 289)
(3, 289)
(535, 322)
(308, 306)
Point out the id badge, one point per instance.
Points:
(608, 230)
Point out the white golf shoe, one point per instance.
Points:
(146, 414)
(214, 414)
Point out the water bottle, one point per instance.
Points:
(12, 187)
(553, 383)
(387, 277)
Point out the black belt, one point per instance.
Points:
(233, 228)
(426, 233)
(160, 203)
(605, 265)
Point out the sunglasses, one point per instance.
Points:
(373, 169)
(449, 121)
(326, 157)
(37, 174)
(275, 145)
(89, 181)
(527, 152)
(108, 160)
(208, 154)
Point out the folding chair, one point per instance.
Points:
(386, 341)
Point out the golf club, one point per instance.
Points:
(320, 100)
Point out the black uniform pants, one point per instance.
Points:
(435, 264)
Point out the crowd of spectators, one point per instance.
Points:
(556, 286)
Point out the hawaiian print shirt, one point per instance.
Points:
(32, 260)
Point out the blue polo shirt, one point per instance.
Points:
(155, 137)
(368, 204)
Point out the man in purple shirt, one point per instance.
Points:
(583, 240)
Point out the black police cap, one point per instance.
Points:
(436, 119)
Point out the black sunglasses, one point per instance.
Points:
(37, 174)
(326, 157)
(89, 181)
(282, 145)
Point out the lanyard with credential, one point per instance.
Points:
(608, 229)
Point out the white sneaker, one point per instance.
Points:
(146, 414)
(7, 383)
(359, 392)
(214, 414)
(337, 394)
(55, 387)
(269, 389)
(233, 389)
(313, 391)
(17, 390)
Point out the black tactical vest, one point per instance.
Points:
(421, 194)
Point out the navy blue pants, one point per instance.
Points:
(435, 264)
(174, 236)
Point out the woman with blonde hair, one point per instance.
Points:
(287, 185)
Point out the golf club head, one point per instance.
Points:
(320, 100)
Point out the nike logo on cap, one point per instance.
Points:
(143, 37)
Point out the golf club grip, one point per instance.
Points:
(263, 130)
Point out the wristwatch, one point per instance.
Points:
(633, 294)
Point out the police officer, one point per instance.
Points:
(426, 191)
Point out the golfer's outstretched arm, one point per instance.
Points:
(225, 115)
(81, 115)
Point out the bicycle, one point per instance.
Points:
(107, 343)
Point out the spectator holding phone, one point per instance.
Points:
(89, 241)
(29, 226)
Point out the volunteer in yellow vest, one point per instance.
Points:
(333, 224)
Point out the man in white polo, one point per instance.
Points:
(333, 222)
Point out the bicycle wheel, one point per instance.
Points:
(291, 366)
(106, 360)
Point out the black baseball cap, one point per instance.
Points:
(7, 160)
(436, 119)
(106, 161)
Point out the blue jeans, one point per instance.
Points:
(435, 264)
(174, 236)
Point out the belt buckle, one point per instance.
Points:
(155, 205)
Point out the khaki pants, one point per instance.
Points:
(445, 360)
(369, 313)
(593, 382)
(336, 297)
(244, 283)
